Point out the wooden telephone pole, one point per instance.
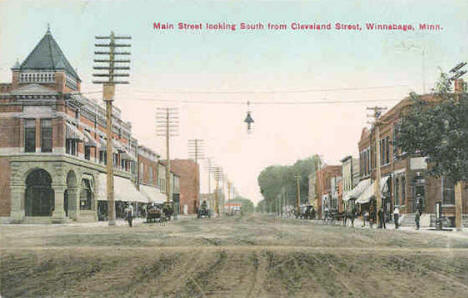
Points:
(110, 72)
(378, 195)
(167, 123)
(298, 195)
(196, 153)
(218, 175)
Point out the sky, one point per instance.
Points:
(211, 75)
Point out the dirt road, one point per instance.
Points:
(250, 256)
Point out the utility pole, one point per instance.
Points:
(298, 195)
(218, 174)
(110, 72)
(167, 123)
(378, 195)
(208, 160)
(196, 152)
(229, 193)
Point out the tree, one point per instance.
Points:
(439, 131)
(273, 180)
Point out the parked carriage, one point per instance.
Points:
(203, 211)
(154, 213)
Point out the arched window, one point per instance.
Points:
(39, 195)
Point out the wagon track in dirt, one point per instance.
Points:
(230, 257)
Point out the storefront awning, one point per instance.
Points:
(153, 194)
(357, 191)
(369, 191)
(72, 132)
(124, 190)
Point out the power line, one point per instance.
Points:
(260, 91)
(311, 102)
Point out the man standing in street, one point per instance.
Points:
(396, 216)
(416, 218)
(129, 214)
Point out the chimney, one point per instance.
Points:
(459, 86)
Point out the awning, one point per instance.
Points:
(124, 190)
(119, 146)
(357, 191)
(103, 145)
(89, 140)
(72, 132)
(369, 191)
(127, 156)
(153, 194)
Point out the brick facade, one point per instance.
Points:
(406, 173)
(323, 184)
(189, 183)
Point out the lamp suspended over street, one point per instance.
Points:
(248, 119)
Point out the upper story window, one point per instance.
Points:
(46, 135)
(150, 174)
(71, 146)
(30, 135)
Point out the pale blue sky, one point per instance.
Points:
(255, 60)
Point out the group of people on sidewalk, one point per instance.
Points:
(371, 217)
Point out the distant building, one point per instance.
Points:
(323, 187)
(189, 183)
(350, 174)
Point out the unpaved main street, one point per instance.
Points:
(250, 256)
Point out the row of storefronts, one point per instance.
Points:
(404, 182)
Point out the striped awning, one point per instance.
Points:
(89, 140)
(367, 194)
(103, 145)
(118, 146)
(357, 191)
(73, 133)
(127, 156)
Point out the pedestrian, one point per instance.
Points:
(353, 214)
(416, 219)
(381, 214)
(365, 216)
(396, 216)
(129, 214)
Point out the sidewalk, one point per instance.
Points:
(358, 224)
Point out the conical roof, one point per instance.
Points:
(47, 55)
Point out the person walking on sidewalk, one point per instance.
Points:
(417, 218)
(129, 214)
(381, 214)
(396, 216)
